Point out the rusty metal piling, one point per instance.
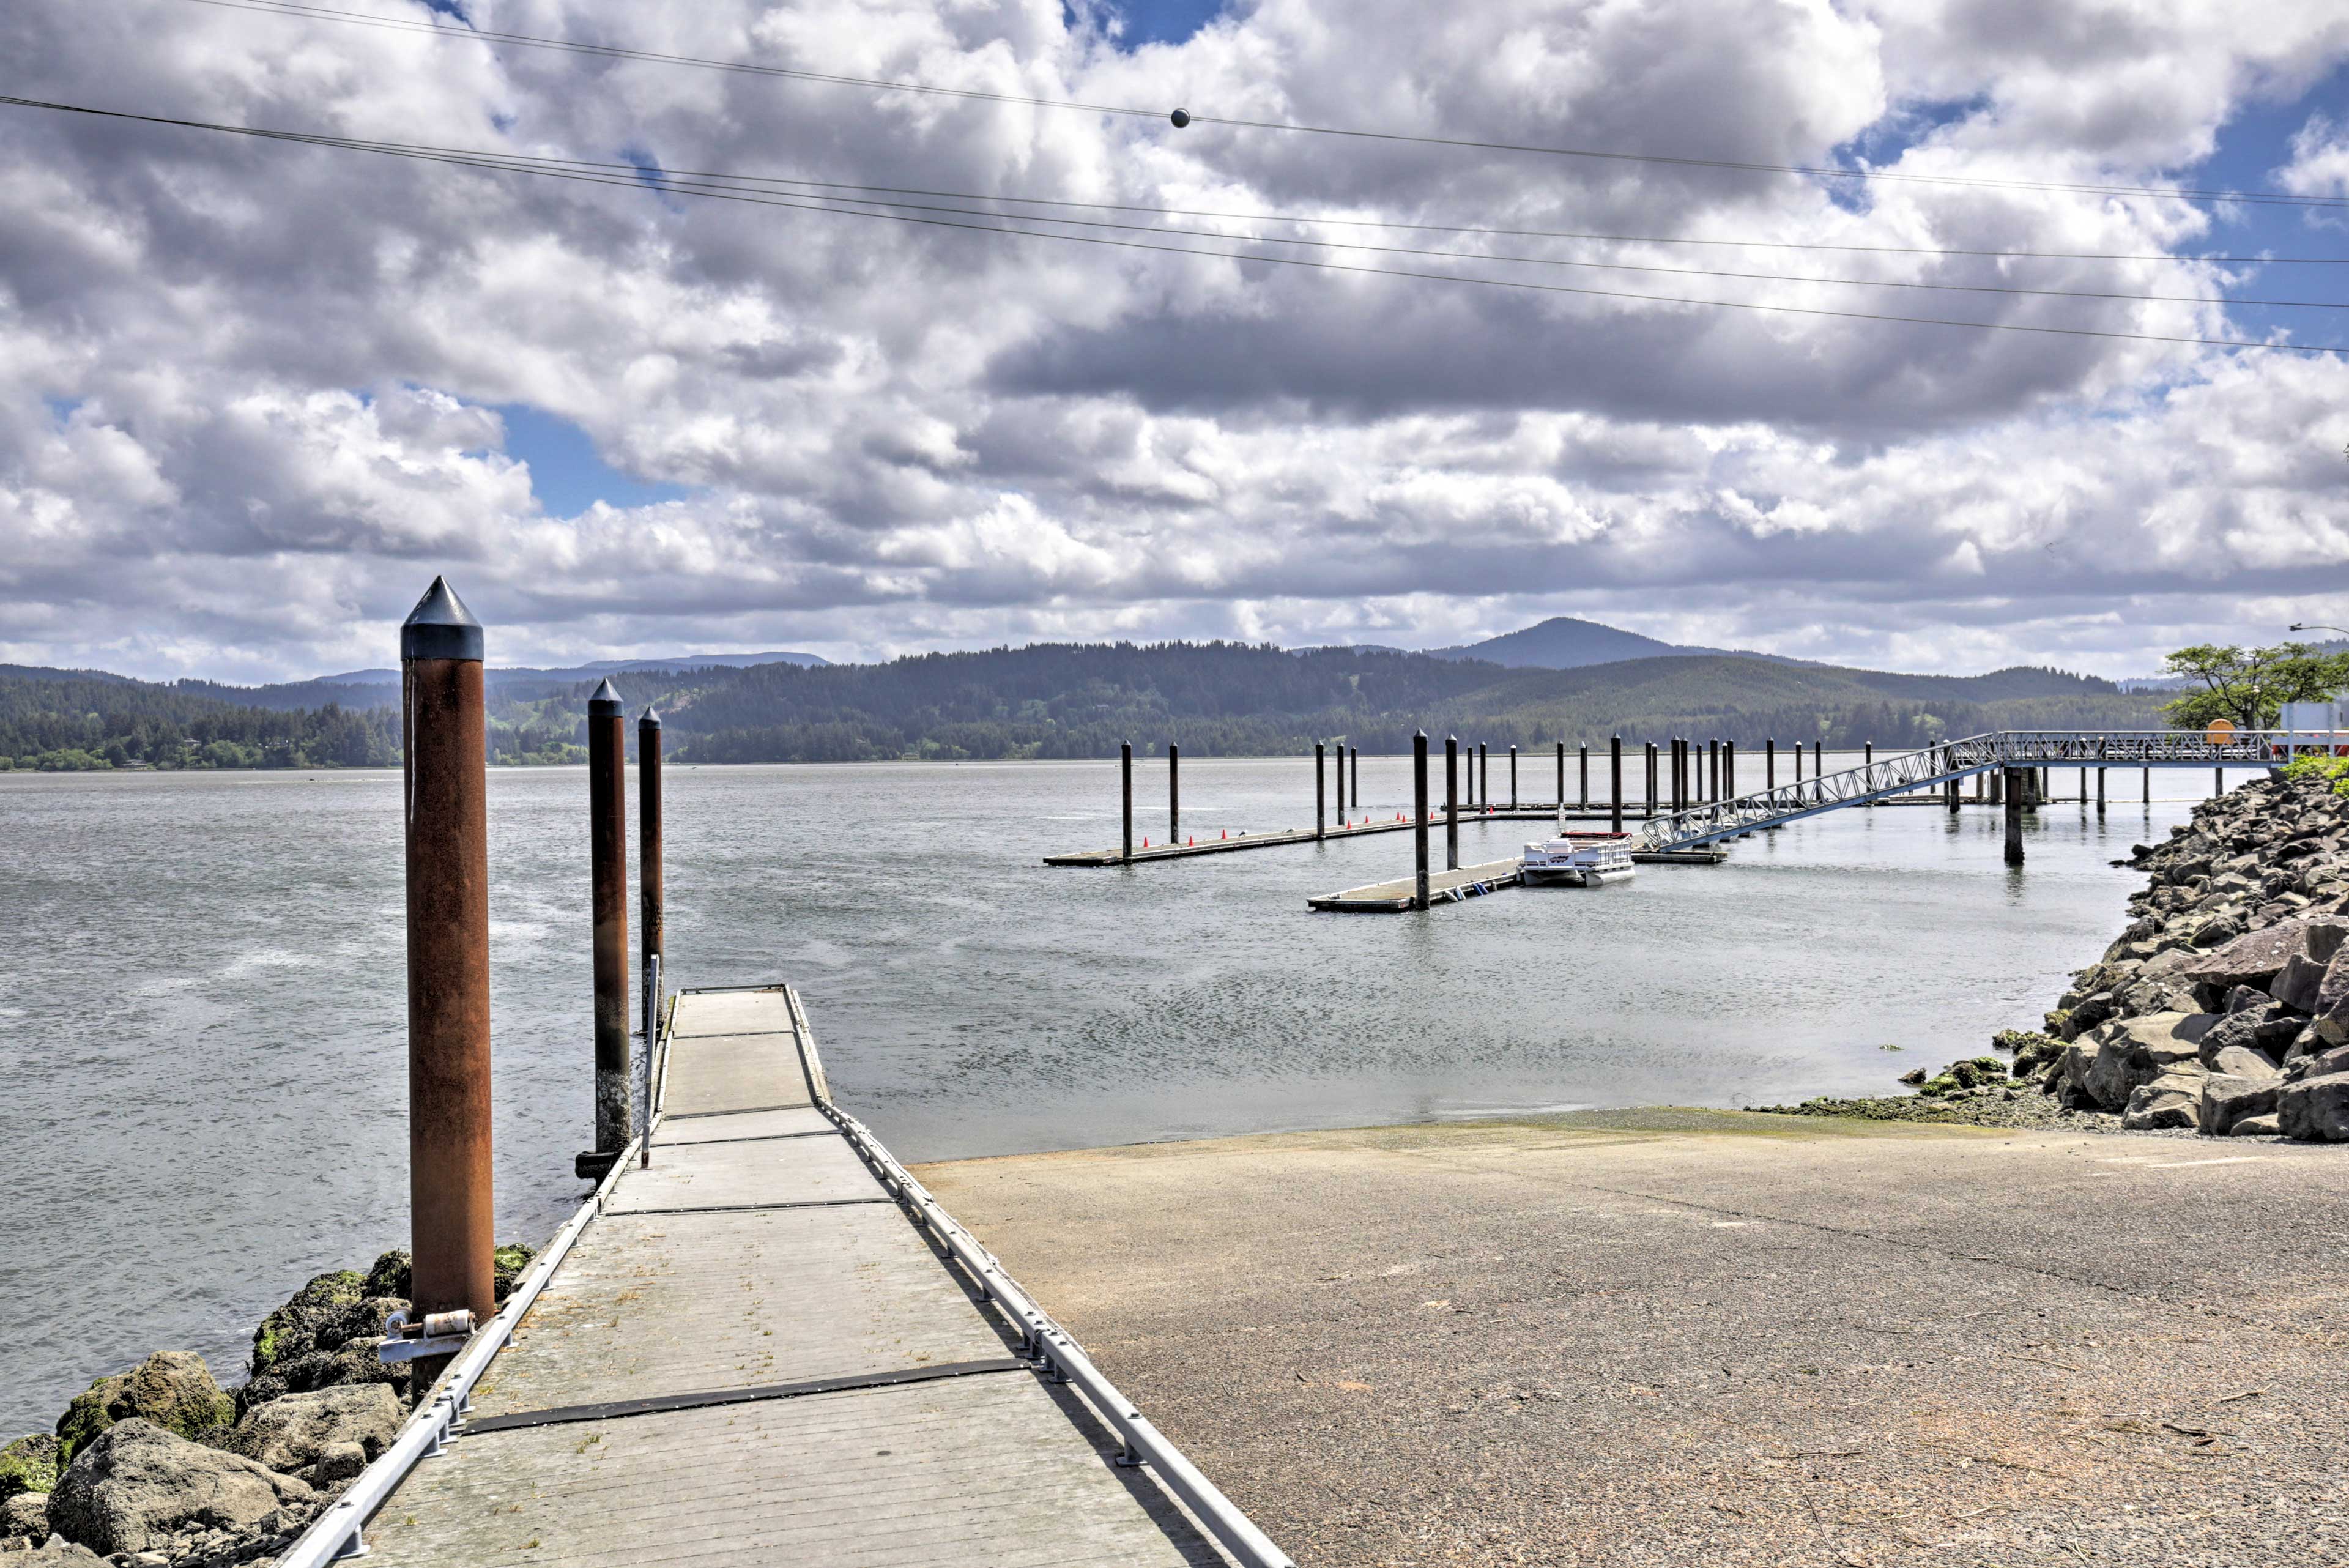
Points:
(1452, 802)
(445, 799)
(607, 873)
(1418, 817)
(1320, 788)
(652, 926)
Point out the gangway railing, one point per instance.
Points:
(1950, 759)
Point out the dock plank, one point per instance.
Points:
(723, 1126)
(734, 1072)
(974, 1470)
(746, 1175)
(763, 1011)
(652, 1304)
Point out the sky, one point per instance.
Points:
(254, 394)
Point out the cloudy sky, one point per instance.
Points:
(253, 395)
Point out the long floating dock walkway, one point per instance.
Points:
(1225, 845)
(772, 1346)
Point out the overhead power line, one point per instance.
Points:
(636, 179)
(1180, 116)
(705, 182)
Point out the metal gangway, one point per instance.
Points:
(1950, 761)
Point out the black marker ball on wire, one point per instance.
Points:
(1181, 117)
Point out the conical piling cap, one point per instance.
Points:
(606, 703)
(649, 719)
(441, 627)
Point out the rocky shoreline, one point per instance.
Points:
(159, 1466)
(2222, 1009)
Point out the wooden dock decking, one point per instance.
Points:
(752, 1353)
(1531, 811)
(1394, 896)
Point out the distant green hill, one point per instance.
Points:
(1563, 642)
(1065, 700)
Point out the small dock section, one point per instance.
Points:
(758, 1350)
(1394, 896)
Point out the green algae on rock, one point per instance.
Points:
(29, 1464)
(172, 1388)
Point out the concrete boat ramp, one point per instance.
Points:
(770, 1345)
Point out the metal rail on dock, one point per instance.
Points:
(1048, 1342)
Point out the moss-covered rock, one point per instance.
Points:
(30, 1464)
(288, 1330)
(2032, 1052)
(331, 1348)
(326, 1335)
(513, 1261)
(173, 1388)
(388, 1277)
(1977, 1070)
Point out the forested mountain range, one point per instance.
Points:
(1064, 701)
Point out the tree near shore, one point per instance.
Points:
(2250, 686)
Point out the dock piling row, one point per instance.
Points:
(1125, 794)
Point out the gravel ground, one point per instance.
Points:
(2017, 1106)
(1694, 1337)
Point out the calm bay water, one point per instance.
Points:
(203, 999)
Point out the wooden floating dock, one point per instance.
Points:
(1443, 888)
(1395, 897)
(753, 1354)
(1306, 835)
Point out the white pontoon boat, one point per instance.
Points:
(1581, 859)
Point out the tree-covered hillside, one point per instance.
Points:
(1075, 701)
(1225, 699)
(76, 720)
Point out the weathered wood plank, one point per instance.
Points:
(766, 1010)
(976, 1471)
(746, 1176)
(672, 1304)
(725, 1127)
(734, 1072)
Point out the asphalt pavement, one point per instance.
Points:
(1695, 1337)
